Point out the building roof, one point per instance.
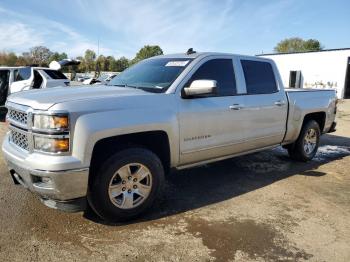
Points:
(290, 53)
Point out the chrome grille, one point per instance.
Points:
(17, 116)
(19, 139)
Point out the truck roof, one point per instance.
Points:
(201, 54)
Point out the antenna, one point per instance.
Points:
(190, 51)
(98, 46)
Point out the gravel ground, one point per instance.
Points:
(261, 207)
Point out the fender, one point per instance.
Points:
(90, 128)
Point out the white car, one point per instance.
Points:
(25, 78)
(16, 79)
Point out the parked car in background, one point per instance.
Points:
(110, 145)
(16, 79)
(6, 79)
(103, 79)
(82, 78)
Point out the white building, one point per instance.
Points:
(317, 69)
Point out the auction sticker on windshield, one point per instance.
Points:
(177, 63)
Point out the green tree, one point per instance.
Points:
(40, 55)
(102, 63)
(58, 56)
(81, 68)
(89, 59)
(24, 59)
(146, 52)
(121, 64)
(8, 59)
(313, 45)
(109, 63)
(297, 44)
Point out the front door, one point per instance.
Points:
(210, 125)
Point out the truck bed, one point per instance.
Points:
(303, 101)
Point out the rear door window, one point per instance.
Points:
(220, 70)
(54, 74)
(259, 77)
(23, 73)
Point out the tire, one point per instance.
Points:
(300, 150)
(126, 185)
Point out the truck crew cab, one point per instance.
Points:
(109, 146)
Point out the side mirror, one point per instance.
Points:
(200, 87)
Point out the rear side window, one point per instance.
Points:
(55, 74)
(259, 77)
(220, 70)
(22, 73)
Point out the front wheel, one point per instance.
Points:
(305, 148)
(126, 185)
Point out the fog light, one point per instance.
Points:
(46, 180)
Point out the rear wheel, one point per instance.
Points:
(126, 185)
(305, 148)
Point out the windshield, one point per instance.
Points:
(154, 75)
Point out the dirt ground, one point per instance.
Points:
(261, 207)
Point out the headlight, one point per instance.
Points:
(50, 122)
(51, 145)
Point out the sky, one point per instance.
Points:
(122, 27)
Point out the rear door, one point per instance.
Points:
(265, 104)
(209, 127)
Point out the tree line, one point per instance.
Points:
(42, 56)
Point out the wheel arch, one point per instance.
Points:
(156, 141)
(319, 117)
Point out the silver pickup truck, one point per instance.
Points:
(109, 147)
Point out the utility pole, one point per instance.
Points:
(97, 70)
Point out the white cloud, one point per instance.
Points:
(16, 36)
(125, 26)
(19, 32)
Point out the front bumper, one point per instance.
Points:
(33, 172)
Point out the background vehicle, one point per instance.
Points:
(113, 144)
(103, 79)
(82, 78)
(16, 79)
(26, 78)
(6, 79)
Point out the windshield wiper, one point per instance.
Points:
(126, 85)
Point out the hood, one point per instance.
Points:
(43, 99)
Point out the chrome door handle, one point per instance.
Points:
(280, 103)
(236, 107)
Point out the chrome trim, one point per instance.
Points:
(65, 184)
(22, 109)
(23, 132)
(66, 135)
